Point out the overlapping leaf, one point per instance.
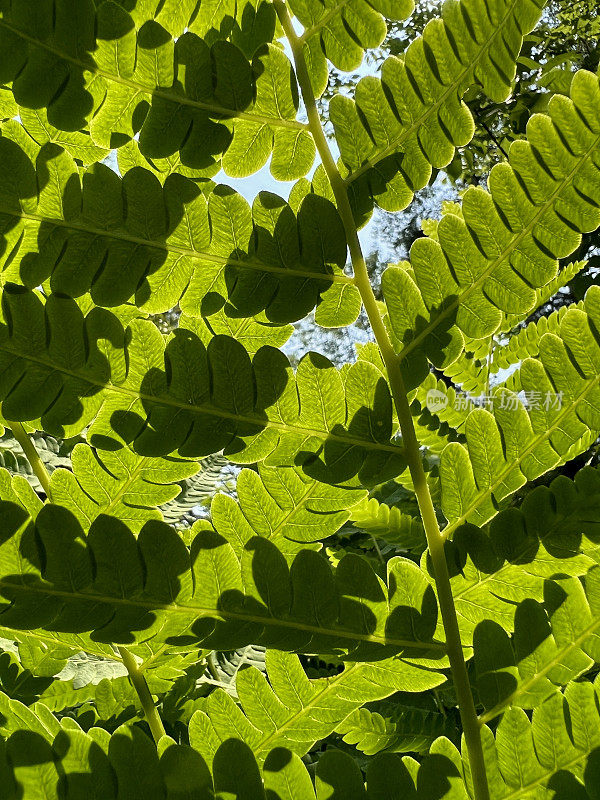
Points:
(412, 119)
(285, 505)
(91, 79)
(17, 489)
(389, 523)
(341, 31)
(478, 365)
(555, 532)
(293, 711)
(122, 238)
(555, 754)
(72, 371)
(153, 590)
(61, 757)
(526, 342)
(396, 727)
(514, 444)
(119, 483)
(554, 642)
(557, 751)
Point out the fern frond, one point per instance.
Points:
(62, 695)
(246, 25)
(21, 683)
(389, 523)
(555, 531)
(284, 505)
(19, 490)
(433, 430)
(128, 387)
(554, 642)
(251, 332)
(120, 483)
(471, 371)
(78, 643)
(58, 678)
(507, 242)
(341, 31)
(558, 747)
(547, 292)
(102, 80)
(511, 445)
(61, 757)
(142, 308)
(412, 119)
(443, 402)
(292, 710)
(474, 368)
(526, 343)
(395, 727)
(554, 751)
(121, 238)
(151, 589)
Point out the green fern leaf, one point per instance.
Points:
(342, 31)
(412, 119)
(395, 728)
(283, 505)
(512, 445)
(120, 483)
(17, 489)
(293, 711)
(118, 239)
(389, 523)
(489, 262)
(553, 643)
(104, 72)
(153, 590)
(526, 343)
(554, 532)
(133, 388)
(556, 748)
(555, 751)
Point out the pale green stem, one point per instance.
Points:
(376, 545)
(141, 687)
(31, 454)
(435, 540)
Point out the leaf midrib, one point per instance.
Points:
(199, 612)
(169, 247)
